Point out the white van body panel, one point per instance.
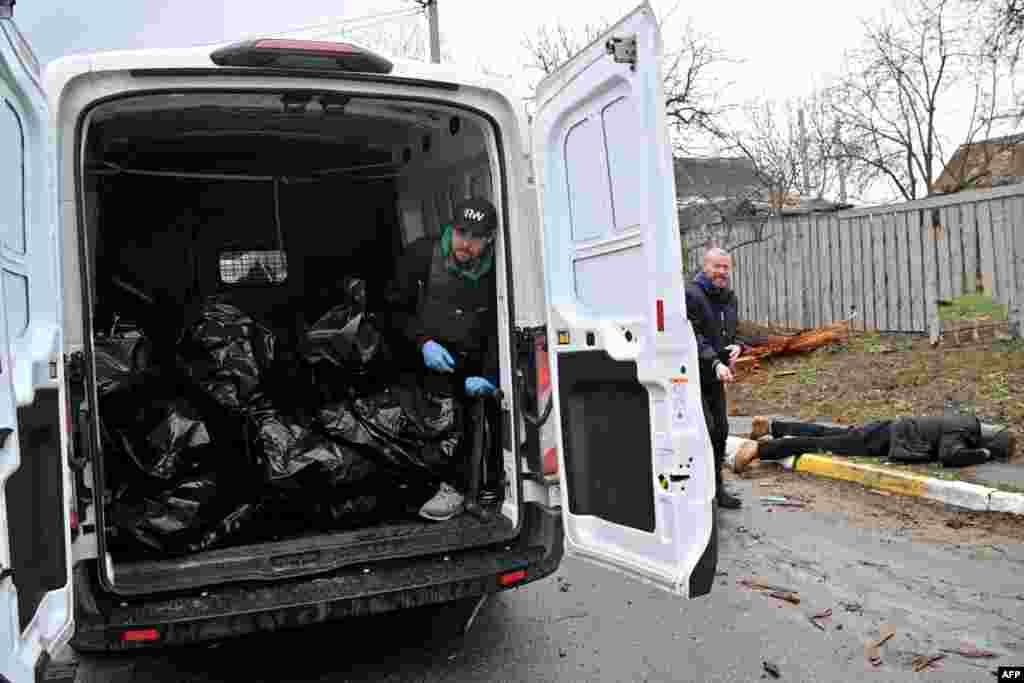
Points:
(75, 84)
(613, 269)
(30, 346)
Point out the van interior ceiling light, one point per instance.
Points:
(301, 54)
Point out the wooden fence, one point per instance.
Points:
(889, 265)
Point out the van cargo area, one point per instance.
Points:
(255, 420)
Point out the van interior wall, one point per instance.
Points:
(165, 236)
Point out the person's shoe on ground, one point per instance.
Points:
(728, 501)
(445, 504)
(759, 426)
(746, 454)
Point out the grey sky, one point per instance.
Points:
(797, 41)
(783, 49)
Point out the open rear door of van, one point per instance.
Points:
(635, 457)
(35, 586)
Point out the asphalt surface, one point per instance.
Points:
(589, 624)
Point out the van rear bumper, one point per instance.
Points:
(234, 610)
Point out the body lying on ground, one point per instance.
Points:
(952, 440)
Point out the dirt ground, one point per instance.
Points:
(872, 377)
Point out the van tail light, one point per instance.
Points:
(512, 578)
(140, 635)
(541, 353)
(543, 369)
(301, 54)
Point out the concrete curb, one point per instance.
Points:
(959, 493)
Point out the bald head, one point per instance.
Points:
(718, 266)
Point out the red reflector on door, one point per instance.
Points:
(140, 635)
(512, 577)
(551, 461)
(659, 306)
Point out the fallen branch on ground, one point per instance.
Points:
(780, 345)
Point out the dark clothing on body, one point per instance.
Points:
(713, 313)
(429, 301)
(954, 441)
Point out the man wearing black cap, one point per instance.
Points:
(444, 294)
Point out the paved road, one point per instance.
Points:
(588, 624)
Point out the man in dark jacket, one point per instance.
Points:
(444, 307)
(952, 440)
(711, 308)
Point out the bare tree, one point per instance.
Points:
(766, 137)
(692, 91)
(1003, 26)
(552, 46)
(912, 68)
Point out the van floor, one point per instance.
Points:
(309, 554)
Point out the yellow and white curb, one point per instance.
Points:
(959, 493)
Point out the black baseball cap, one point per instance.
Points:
(477, 217)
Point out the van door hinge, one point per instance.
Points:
(623, 50)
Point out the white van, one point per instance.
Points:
(324, 160)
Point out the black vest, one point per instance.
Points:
(454, 310)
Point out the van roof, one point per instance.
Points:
(60, 71)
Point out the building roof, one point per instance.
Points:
(983, 163)
(714, 178)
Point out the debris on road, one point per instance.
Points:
(781, 501)
(852, 607)
(571, 615)
(563, 585)
(757, 583)
(824, 614)
(872, 649)
(970, 651)
(476, 610)
(922, 662)
(785, 595)
(771, 668)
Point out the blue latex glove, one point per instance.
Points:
(478, 386)
(436, 357)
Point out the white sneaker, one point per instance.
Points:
(445, 504)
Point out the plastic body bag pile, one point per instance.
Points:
(221, 450)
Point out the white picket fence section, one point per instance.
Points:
(889, 265)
